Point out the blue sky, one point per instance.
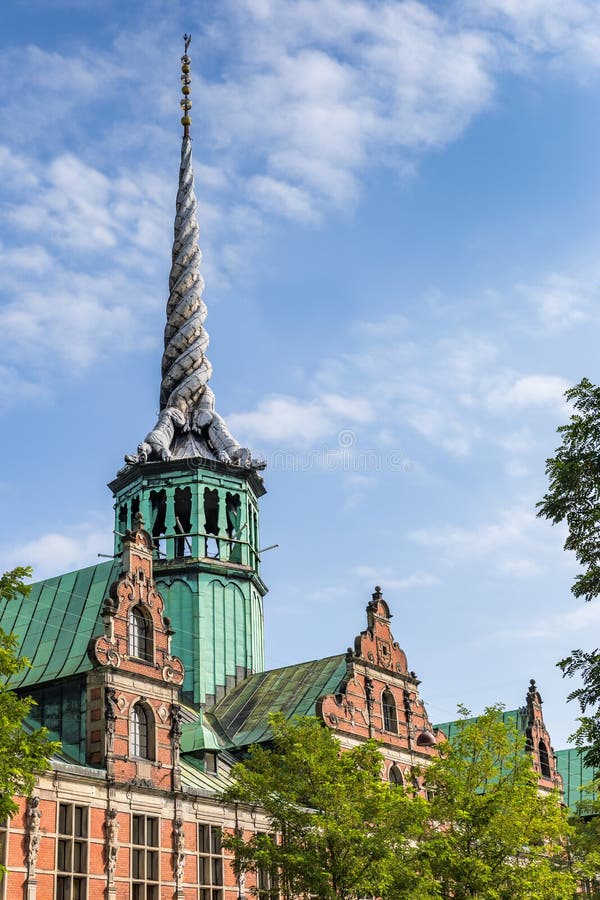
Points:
(400, 221)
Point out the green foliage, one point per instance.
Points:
(490, 834)
(574, 486)
(22, 754)
(344, 833)
(585, 847)
(573, 497)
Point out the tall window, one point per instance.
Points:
(267, 880)
(141, 734)
(144, 857)
(210, 862)
(140, 634)
(71, 852)
(390, 716)
(544, 760)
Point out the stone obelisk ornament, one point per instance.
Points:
(188, 425)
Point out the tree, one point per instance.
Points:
(23, 754)
(335, 829)
(585, 846)
(573, 497)
(490, 833)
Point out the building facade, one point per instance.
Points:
(149, 668)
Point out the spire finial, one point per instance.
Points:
(185, 103)
(188, 425)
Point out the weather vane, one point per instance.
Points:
(185, 103)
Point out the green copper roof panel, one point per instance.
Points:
(204, 781)
(243, 712)
(514, 716)
(577, 778)
(56, 622)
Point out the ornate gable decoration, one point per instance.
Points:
(376, 645)
(379, 697)
(538, 741)
(137, 637)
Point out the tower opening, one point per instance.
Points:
(183, 520)
(211, 523)
(158, 506)
(233, 508)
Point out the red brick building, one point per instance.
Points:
(149, 668)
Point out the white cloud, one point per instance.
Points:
(562, 301)
(388, 580)
(567, 33)
(529, 391)
(585, 619)
(313, 95)
(52, 553)
(282, 199)
(520, 568)
(280, 418)
(512, 542)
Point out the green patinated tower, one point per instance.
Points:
(204, 520)
(195, 486)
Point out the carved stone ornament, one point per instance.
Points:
(34, 814)
(112, 843)
(176, 722)
(173, 672)
(111, 708)
(178, 852)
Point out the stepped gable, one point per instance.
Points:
(134, 715)
(379, 697)
(538, 741)
(529, 721)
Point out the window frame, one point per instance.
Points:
(142, 732)
(140, 634)
(72, 851)
(389, 712)
(210, 861)
(267, 881)
(145, 857)
(544, 758)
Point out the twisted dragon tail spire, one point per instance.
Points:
(188, 426)
(185, 368)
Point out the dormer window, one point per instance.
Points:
(141, 733)
(390, 716)
(140, 643)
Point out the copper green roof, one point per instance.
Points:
(516, 717)
(56, 621)
(208, 782)
(293, 690)
(577, 779)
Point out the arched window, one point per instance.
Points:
(141, 734)
(544, 760)
(140, 634)
(395, 775)
(390, 717)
